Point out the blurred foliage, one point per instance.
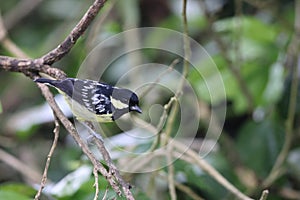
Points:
(256, 43)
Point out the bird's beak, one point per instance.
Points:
(136, 109)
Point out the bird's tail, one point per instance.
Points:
(66, 86)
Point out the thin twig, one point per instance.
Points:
(158, 79)
(183, 188)
(171, 173)
(161, 123)
(209, 169)
(277, 167)
(43, 63)
(31, 67)
(53, 146)
(264, 195)
(96, 184)
(185, 151)
(167, 106)
(112, 168)
(188, 191)
(171, 119)
(71, 129)
(105, 194)
(187, 57)
(141, 162)
(186, 41)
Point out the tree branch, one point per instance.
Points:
(32, 68)
(72, 130)
(191, 156)
(62, 49)
(43, 63)
(54, 144)
(112, 168)
(294, 49)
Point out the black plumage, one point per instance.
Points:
(99, 98)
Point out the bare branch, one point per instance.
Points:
(294, 49)
(72, 130)
(264, 195)
(195, 159)
(96, 184)
(112, 168)
(42, 64)
(171, 178)
(62, 49)
(29, 65)
(54, 144)
(32, 68)
(182, 188)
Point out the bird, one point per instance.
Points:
(91, 100)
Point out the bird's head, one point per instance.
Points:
(134, 103)
(125, 99)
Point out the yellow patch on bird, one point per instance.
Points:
(118, 104)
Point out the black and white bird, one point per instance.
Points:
(95, 101)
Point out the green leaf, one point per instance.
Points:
(257, 53)
(0, 108)
(259, 144)
(206, 82)
(12, 191)
(249, 27)
(11, 195)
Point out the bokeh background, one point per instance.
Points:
(254, 44)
